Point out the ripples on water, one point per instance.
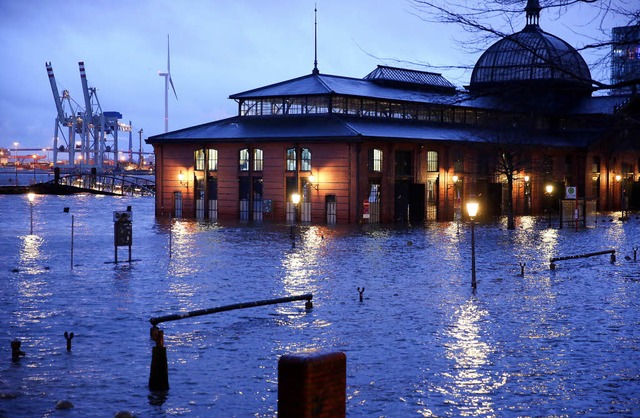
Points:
(563, 342)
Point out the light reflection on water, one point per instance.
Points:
(563, 342)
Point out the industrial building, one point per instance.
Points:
(402, 145)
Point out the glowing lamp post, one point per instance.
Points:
(472, 210)
(295, 199)
(31, 198)
(549, 189)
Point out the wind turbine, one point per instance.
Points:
(167, 81)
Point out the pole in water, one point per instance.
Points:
(159, 375)
(68, 337)
(361, 293)
(522, 265)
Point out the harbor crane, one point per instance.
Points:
(92, 138)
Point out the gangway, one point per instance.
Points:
(108, 184)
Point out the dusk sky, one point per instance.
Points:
(218, 48)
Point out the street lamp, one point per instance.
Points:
(295, 199)
(472, 210)
(15, 160)
(31, 197)
(549, 189)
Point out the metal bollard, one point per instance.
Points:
(361, 293)
(159, 375)
(16, 353)
(68, 337)
(635, 252)
(522, 265)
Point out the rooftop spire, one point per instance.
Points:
(533, 12)
(315, 41)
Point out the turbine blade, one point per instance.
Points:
(174, 89)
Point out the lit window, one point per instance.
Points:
(198, 156)
(291, 159)
(212, 162)
(305, 160)
(432, 161)
(258, 160)
(375, 160)
(244, 159)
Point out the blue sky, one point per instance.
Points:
(218, 48)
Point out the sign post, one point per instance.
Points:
(122, 231)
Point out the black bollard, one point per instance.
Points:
(613, 258)
(635, 252)
(159, 376)
(16, 353)
(68, 337)
(522, 265)
(361, 292)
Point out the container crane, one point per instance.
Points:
(97, 131)
(66, 118)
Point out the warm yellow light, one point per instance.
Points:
(526, 179)
(455, 179)
(618, 177)
(549, 188)
(312, 179)
(31, 197)
(472, 209)
(295, 198)
(181, 177)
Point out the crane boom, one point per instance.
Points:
(54, 89)
(85, 89)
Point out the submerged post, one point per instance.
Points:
(312, 384)
(159, 376)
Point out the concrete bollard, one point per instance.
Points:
(159, 375)
(312, 384)
(16, 353)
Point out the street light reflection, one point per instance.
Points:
(471, 384)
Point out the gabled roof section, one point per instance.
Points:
(306, 85)
(324, 84)
(410, 78)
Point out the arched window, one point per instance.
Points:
(244, 159)
(258, 159)
(212, 161)
(198, 156)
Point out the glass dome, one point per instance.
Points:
(531, 57)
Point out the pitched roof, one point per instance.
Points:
(329, 128)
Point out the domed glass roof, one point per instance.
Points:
(531, 55)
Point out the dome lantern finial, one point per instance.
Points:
(533, 12)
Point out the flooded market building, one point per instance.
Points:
(402, 145)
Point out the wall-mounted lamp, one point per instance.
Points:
(312, 182)
(526, 179)
(618, 177)
(182, 180)
(455, 179)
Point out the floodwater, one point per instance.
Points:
(422, 343)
